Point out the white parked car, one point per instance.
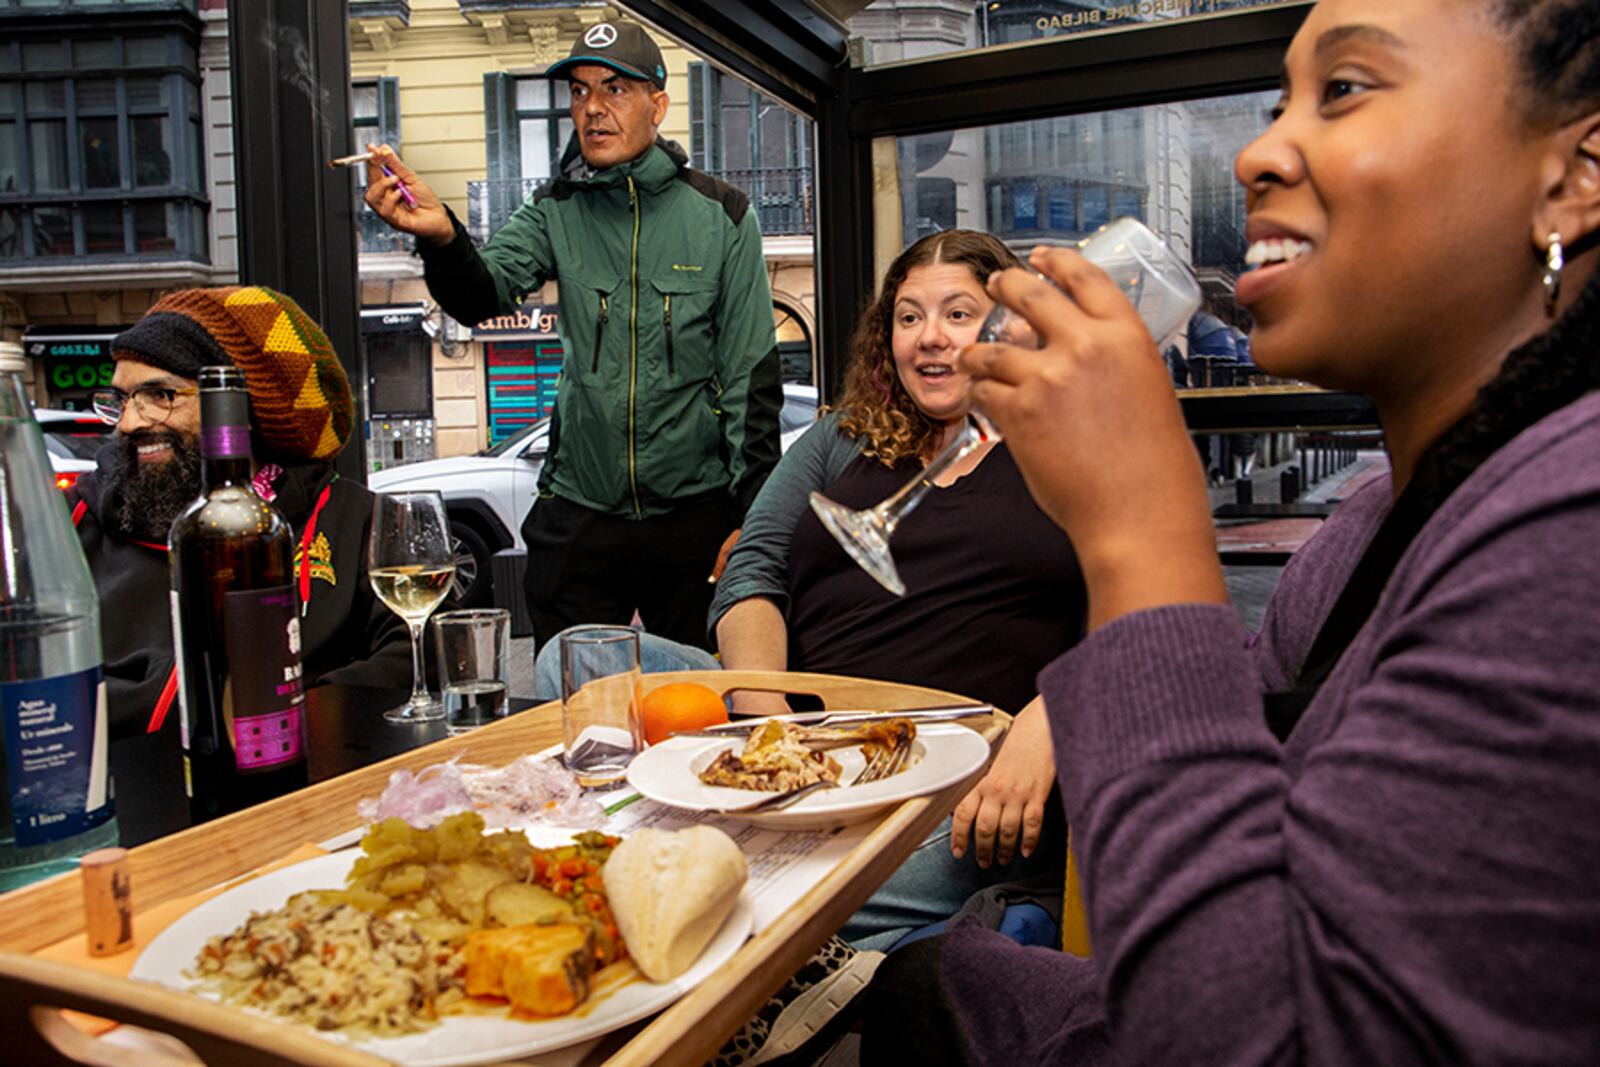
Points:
(487, 495)
(71, 438)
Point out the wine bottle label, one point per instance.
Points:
(224, 442)
(262, 631)
(55, 730)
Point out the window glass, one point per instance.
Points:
(364, 102)
(102, 229)
(8, 157)
(48, 143)
(543, 123)
(146, 52)
(94, 55)
(899, 31)
(152, 153)
(7, 105)
(100, 153)
(52, 230)
(1057, 180)
(534, 138)
(44, 55)
(10, 232)
(99, 94)
(46, 97)
(144, 92)
(8, 58)
(533, 94)
(152, 227)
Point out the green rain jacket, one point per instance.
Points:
(669, 390)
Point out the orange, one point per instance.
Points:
(680, 706)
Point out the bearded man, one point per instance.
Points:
(301, 414)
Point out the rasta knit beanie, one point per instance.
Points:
(300, 402)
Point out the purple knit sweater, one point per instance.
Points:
(1414, 877)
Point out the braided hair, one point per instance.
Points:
(1559, 46)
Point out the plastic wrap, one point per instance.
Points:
(531, 789)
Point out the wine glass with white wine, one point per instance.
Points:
(1162, 289)
(411, 567)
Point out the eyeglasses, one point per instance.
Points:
(152, 402)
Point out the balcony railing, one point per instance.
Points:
(782, 197)
(490, 203)
(377, 235)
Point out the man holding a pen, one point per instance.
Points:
(666, 420)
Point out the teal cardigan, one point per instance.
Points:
(759, 563)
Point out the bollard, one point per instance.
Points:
(1244, 492)
(1289, 485)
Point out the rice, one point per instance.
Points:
(334, 966)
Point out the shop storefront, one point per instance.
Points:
(71, 362)
(522, 363)
(397, 373)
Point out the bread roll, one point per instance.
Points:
(670, 892)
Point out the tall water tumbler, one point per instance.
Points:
(473, 650)
(602, 726)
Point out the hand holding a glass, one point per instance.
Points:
(1089, 414)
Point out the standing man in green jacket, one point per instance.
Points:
(666, 419)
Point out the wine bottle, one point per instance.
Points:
(55, 788)
(235, 622)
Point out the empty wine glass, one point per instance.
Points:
(410, 564)
(1162, 289)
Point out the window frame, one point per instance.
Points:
(180, 95)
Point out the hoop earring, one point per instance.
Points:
(1554, 261)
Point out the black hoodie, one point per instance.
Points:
(347, 635)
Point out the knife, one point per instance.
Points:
(949, 713)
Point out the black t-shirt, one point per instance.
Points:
(993, 590)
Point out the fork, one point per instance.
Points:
(884, 762)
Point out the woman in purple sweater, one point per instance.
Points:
(1371, 835)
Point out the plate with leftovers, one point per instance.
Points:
(452, 946)
(726, 774)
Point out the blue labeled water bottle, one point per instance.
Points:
(55, 782)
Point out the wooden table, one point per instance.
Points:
(181, 864)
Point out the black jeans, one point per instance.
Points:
(585, 566)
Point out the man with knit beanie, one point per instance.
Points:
(301, 414)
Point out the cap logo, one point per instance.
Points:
(601, 35)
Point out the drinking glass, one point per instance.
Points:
(601, 723)
(474, 650)
(410, 564)
(1161, 288)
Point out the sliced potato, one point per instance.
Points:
(458, 837)
(356, 898)
(404, 880)
(462, 887)
(519, 904)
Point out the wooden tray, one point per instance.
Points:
(184, 863)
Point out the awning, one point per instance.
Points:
(398, 318)
(69, 342)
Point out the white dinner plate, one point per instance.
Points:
(479, 1037)
(943, 755)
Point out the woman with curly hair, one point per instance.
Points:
(993, 590)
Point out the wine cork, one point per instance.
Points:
(107, 901)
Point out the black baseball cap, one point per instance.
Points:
(621, 45)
